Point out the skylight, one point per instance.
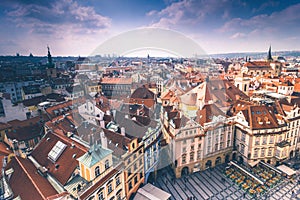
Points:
(56, 151)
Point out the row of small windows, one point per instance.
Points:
(97, 169)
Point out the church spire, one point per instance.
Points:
(269, 54)
(49, 56)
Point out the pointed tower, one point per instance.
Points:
(269, 58)
(49, 56)
(51, 70)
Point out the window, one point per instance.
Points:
(192, 147)
(56, 151)
(255, 153)
(277, 154)
(243, 137)
(265, 140)
(97, 171)
(262, 153)
(129, 172)
(228, 143)
(208, 149)
(216, 146)
(184, 149)
(183, 158)
(106, 164)
(257, 140)
(135, 180)
(279, 139)
(141, 161)
(221, 145)
(134, 166)
(271, 139)
(198, 154)
(191, 156)
(100, 196)
(109, 189)
(270, 152)
(199, 146)
(119, 196)
(130, 185)
(118, 181)
(242, 149)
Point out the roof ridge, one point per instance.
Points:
(30, 178)
(250, 117)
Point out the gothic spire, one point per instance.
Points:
(269, 55)
(49, 56)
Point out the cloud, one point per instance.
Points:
(238, 35)
(58, 17)
(186, 12)
(272, 24)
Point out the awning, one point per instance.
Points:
(248, 173)
(285, 169)
(150, 192)
(271, 167)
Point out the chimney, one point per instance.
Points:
(102, 124)
(123, 131)
(103, 140)
(90, 140)
(93, 139)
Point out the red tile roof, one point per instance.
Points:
(26, 182)
(207, 113)
(67, 164)
(257, 64)
(4, 126)
(116, 81)
(26, 132)
(260, 117)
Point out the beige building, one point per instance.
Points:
(260, 135)
(197, 132)
(262, 68)
(293, 121)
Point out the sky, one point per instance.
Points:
(78, 27)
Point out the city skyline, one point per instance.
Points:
(78, 27)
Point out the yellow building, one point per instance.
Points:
(93, 87)
(106, 180)
(134, 174)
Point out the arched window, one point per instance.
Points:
(97, 171)
(106, 164)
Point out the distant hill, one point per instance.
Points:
(256, 55)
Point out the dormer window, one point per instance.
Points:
(106, 164)
(97, 171)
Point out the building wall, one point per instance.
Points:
(134, 173)
(112, 188)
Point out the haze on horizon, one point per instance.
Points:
(77, 27)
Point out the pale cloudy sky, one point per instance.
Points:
(77, 27)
